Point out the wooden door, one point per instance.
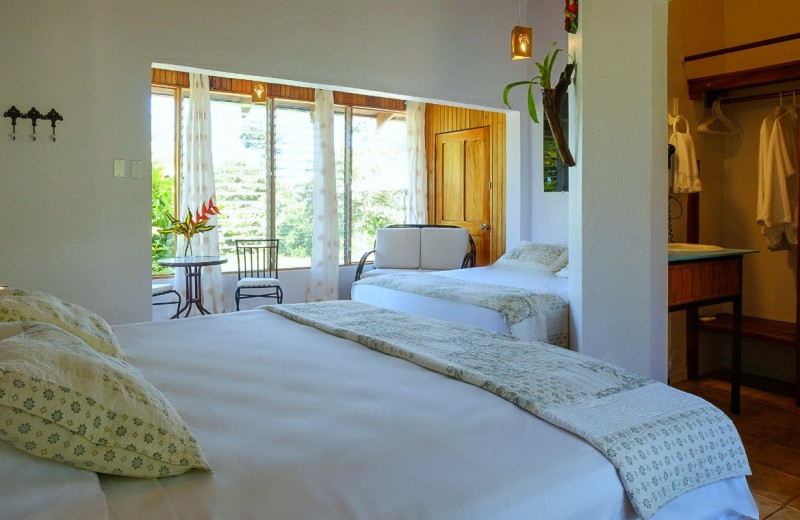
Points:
(462, 185)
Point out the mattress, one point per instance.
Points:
(469, 314)
(297, 423)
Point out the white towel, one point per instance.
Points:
(684, 161)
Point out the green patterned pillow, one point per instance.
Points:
(62, 400)
(534, 258)
(21, 305)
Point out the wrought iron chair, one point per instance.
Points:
(258, 269)
(160, 289)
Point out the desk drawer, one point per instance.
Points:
(692, 282)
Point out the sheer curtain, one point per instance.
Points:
(417, 208)
(323, 281)
(197, 187)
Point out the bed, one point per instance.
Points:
(301, 422)
(523, 294)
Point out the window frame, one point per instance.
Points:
(368, 106)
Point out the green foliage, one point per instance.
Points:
(543, 79)
(162, 246)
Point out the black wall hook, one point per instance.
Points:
(33, 115)
(14, 114)
(53, 116)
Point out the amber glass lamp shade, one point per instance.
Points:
(521, 42)
(259, 92)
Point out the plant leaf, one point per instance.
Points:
(532, 105)
(508, 89)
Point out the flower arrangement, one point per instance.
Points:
(191, 226)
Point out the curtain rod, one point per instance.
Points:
(757, 97)
(743, 47)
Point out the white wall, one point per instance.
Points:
(73, 229)
(617, 236)
(549, 211)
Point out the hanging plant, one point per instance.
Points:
(552, 98)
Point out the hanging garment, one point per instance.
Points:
(776, 210)
(684, 161)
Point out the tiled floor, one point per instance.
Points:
(769, 425)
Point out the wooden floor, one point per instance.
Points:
(769, 425)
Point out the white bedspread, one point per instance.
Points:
(485, 318)
(297, 423)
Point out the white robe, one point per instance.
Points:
(776, 211)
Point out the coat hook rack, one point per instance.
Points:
(14, 114)
(34, 115)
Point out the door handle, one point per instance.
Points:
(484, 227)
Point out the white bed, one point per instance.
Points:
(297, 423)
(553, 328)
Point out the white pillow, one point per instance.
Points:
(63, 400)
(530, 257)
(397, 248)
(443, 248)
(18, 305)
(564, 273)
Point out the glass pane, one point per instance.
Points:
(294, 179)
(238, 136)
(380, 178)
(339, 151)
(556, 173)
(162, 146)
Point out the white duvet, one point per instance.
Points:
(468, 314)
(300, 424)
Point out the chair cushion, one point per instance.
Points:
(162, 288)
(397, 248)
(443, 248)
(530, 257)
(258, 282)
(62, 400)
(22, 305)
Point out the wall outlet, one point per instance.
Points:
(136, 169)
(119, 167)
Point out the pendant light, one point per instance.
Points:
(521, 38)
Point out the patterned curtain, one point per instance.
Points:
(417, 208)
(197, 187)
(324, 275)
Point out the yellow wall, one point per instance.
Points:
(729, 169)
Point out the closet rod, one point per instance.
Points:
(743, 47)
(757, 97)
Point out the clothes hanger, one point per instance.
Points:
(718, 124)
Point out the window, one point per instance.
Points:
(556, 173)
(263, 168)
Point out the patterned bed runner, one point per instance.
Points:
(549, 310)
(662, 441)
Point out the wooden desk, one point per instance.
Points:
(194, 282)
(705, 278)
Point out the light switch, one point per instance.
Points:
(119, 167)
(136, 169)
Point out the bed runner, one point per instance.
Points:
(515, 304)
(662, 441)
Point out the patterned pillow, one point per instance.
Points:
(564, 273)
(62, 400)
(21, 305)
(534, 258)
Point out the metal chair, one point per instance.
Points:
(258, 270)
(160, 289)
